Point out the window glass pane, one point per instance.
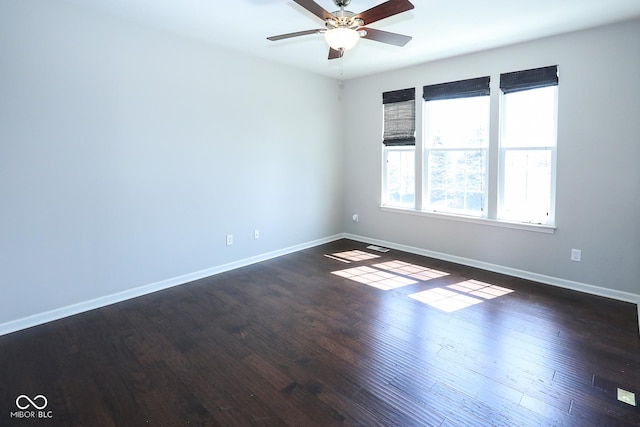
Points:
(529, 118)
(457, 181)
(457, 123)
(400, 182)
(527, 185)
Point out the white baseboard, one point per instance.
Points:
(541, 278)
(59, 313)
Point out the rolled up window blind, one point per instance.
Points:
(458, 89)
(399, 117)
(529, 79)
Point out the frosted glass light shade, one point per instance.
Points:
(342, 38)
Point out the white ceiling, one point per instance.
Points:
(440, 28)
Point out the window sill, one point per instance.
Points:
(539, 228)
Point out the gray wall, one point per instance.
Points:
(598, 203)
(127, 155)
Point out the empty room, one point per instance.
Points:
(319, 213)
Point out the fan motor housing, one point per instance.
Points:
(343, 19)
(342, 3)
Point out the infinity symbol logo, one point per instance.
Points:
(30, 402)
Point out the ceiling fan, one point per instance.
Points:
(343, 28)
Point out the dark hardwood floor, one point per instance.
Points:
(301, 340)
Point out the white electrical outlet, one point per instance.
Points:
(256, 234)
(229, 239)
(576, 255)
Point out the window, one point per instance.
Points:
(399, 177)
(456, 121)
(528, 145)
(474, 165)
(399, 148)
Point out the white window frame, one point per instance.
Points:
(385, 174)
(551, 220)
(398, 138)
(427, 149)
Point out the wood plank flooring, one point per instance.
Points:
(311, 340)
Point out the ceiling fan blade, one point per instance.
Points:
(386, 37)
(314, 8)
(289, 35)
(335, 54)
(384, 10)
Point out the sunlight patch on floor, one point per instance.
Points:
(337, 259)
(355, 255)
(480, 289)
(396, 274)
(627, 397)
(444, 299)
(375, 278)
(411, 270)
(449, 301)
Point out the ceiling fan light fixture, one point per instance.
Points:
(342, 38)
